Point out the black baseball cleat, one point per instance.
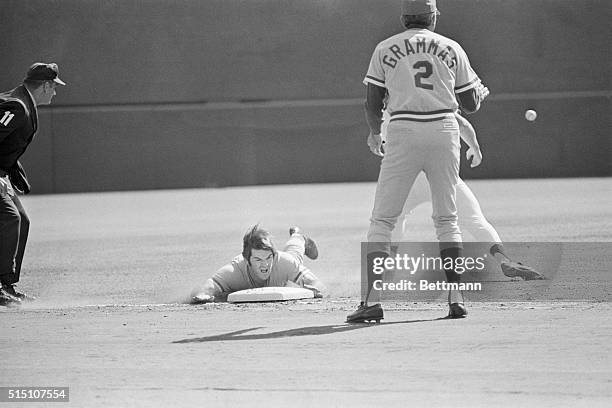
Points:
(456, 307)
(518, 270)
(365, 314)
(457, 311)
(6, 299)
(10, 289)
(310, 247)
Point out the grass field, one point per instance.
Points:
(111, 269)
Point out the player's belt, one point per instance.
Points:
(421, 116)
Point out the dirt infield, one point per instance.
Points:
(301, 354)
(110, 270)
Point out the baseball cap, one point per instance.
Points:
(40, 71)
(414, 7)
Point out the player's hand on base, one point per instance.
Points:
(375, 144)
(202, 298)
(475, 155)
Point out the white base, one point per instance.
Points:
(269, 294)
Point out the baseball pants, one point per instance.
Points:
(470, 216)
(412, 147)
(14, 228)
(296, 246)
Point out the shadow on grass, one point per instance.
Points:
(302, 331)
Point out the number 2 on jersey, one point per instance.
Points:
(423, 74)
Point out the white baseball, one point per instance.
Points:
(531, 115)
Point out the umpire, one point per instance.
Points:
(18, 124)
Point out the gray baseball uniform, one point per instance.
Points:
(422, 73)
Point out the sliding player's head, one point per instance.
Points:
(259, 251)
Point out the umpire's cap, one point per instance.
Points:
(40, 71)
(414, 7)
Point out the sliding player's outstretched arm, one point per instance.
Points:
(210, 289)
(204, 294)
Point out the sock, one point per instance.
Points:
(454, 296)
(453, 253)
(499, 253)
(371, 275)
(498, 249)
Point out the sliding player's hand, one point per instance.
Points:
(202, 298)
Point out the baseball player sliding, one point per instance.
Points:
(469, 213)
(261, 265)
(424, 78)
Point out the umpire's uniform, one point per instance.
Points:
(18, 124)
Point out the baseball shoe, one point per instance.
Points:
(310, 247)
(457, 311)
(10, 289)
(516, 269)
(365, 314)
(6, 299)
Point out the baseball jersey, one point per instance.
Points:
(18, 124)
(436, 66)
(235, 276)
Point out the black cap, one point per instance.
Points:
(40, 71)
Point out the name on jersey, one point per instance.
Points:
(419, 45)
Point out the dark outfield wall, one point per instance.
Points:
(167, 94)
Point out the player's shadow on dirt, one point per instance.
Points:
(302, 331)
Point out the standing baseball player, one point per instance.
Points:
(424, 77)
(262, 265)
(18, 124)
(469, 213)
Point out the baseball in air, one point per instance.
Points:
(531, 115)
